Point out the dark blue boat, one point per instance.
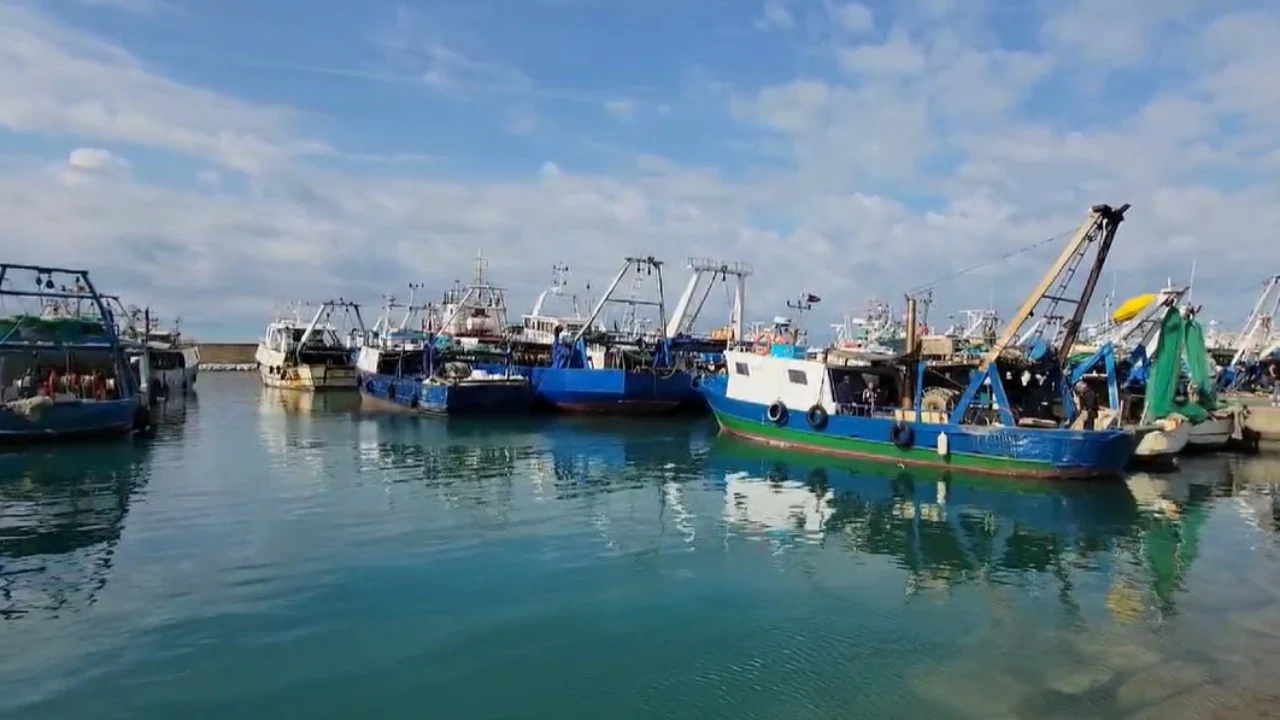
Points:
(436, 378)
(63, 373)
(623, 372)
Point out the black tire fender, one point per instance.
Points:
(902, 435)
(816, 417)
(776, 413)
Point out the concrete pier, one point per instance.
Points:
(1263, 419)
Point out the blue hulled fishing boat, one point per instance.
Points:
(401, 368)
(63, 373)
(996, 416)
(630, 370)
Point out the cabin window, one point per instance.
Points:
(798, 377)
(741, 369)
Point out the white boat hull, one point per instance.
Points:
(1168, 438)
(1214, 433)
(277, 372)
(170, 371)
(310, 377)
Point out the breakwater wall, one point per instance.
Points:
(227, 356)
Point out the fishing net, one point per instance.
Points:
(1166, 373)
(1201, 384)
(32, 328)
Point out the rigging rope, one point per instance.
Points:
(992, 261)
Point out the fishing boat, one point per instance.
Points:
(63, 372)
(630, 370)
(296, 354)
(474, 314)
(403, 368)
(1244, 368)
(1222, 421)
(171, 363)
(1174, 385)
(780, 394)
(540, 326)
(877, 331)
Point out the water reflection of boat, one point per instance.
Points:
(943, 527)
(169, 417)
(1174, 511)
(61, 516)
(303, 402)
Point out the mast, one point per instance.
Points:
(649, 263)
(1098, 230)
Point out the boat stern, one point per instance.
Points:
(477, 396)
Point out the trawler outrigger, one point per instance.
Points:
(1013, 413)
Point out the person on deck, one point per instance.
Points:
(872, 393)
(1088, 404)
(844, 394)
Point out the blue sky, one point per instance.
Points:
(213, 158)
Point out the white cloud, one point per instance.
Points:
(91, 159)
(85, 165)
(855, 18)
(878, 167)
(776, 16)
(897, 56)
(210, 179)
(621, 108)
(54, 80)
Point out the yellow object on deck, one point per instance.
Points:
(1131, 307)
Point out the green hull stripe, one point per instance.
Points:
(888, 452)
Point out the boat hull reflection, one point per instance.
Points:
(940, 520)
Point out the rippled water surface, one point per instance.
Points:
(273, 556)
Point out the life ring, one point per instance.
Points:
(762, 343)
(816, 417)
(776, 413)
(902, 435)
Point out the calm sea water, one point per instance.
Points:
(275, 556)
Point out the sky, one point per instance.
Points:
(214, 158)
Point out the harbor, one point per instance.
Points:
(632, 480)
(263, 545)
(568, 360)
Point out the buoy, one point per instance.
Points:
(943, 447)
